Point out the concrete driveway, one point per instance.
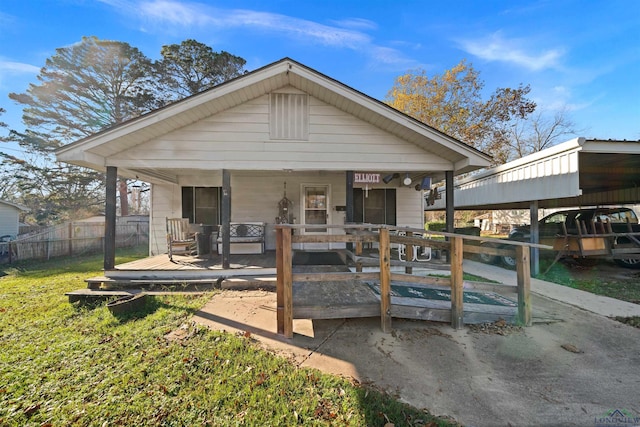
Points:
(568, 371)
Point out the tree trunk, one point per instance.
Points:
(124, 198)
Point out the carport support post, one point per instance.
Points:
(535, 237)
(448, 188)
(110, 219)
(385, 280)
(524, 285)
(226, 218)
(457, 308)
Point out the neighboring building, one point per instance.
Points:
(283, 129)
(9, 218)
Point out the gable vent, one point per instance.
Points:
(289, 117)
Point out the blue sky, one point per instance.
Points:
(580, 55)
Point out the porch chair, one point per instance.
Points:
(180, 239)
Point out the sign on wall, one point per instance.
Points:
(366, 178)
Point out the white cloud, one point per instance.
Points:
(496, 48)
(12, 67)
(359, 23)
(348, 34)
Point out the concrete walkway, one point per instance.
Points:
(604, 306)
(567, 372)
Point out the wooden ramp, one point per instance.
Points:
(424, 302)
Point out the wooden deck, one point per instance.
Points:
(324, 284)
(184, 267)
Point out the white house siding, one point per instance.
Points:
(239, 139)
(409, 209)
(8, 220)
(165, 203)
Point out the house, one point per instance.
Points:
(282, 136)
(9, 218)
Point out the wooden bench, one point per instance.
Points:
(245, 237)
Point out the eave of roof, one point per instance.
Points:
(15, 205)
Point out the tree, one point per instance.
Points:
(87, 87)
(7, 183)
(192, 67)
(453, 104)
(83, 89)
(541, 130)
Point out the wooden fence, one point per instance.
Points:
(74, 238)
(384, 237)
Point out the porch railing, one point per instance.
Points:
(359, 234)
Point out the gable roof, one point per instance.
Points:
(95, 151)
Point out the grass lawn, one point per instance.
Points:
(614, 287)
(66, 364)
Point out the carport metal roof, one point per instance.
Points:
(579, 172)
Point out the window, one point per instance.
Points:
(289, 116)
(201, 205)
(376, 207)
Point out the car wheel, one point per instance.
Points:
(487, 258)
(509, 261)
(628, 262)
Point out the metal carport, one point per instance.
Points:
(579, 172)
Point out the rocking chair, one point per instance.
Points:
(180, 240)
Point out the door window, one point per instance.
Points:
(315, 208)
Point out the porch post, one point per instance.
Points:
(110, 219)
(349, 213)
(226, 218)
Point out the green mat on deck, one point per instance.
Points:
(468, 297)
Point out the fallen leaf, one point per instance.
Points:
(31, 409)
(572, 348)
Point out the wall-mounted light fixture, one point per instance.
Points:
(407, 179)
(387, 179)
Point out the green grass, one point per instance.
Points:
(615, 287)
(67, 364)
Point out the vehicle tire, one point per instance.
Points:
(509, 261)
(628, 262)
(486, 258)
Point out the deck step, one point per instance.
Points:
(104, 294)
(189, 285)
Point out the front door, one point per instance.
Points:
(315, 210)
